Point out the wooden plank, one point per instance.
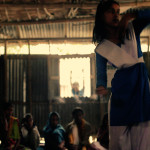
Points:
(18, 32)
(28, 14)
(14, 80)
(7, 16)
(20, 74)
(38, 77)
(51, 6)
(93, 77)
(60, 6)
(53, 40)
(34, 79)
(49, 82)
(45, 79)
(10, 79)
(5, 74)
(17, 79)
(29, 81)
(13, 86)
(38, 13)
(52, 56)
(47, 21)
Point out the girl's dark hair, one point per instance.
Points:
(99, 32)
(54, 114)
(6, 105)
(76, 110)
(27, 116)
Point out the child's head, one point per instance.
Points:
(78, 114)
(28, 121)
(54, 119)
(7, 109)
(75, 86)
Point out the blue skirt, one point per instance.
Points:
(130, 101)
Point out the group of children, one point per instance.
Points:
(15, 135)
(24, 135)
(117, 40)
(74, 137)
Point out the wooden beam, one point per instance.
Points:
(47, 21)
(7, 16)
(29, 79)
(48, 13)
(38, 13)
(72, 13)
(29, 16)
(18, 32)
(135, 4)
(5, 33)
(68, 5)
(5, 74)
(50, 6)
(51, 39)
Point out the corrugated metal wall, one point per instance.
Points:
(22, 70)
(32, 82)
(54, 30)
(91, 108)
(27, 86)
(2, 78)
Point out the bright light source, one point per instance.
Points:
(42, 140)
(69, 49)
(74, 70)
(144, 47)
(92, 139)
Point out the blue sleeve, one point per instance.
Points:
(101, 71)
(59, 136)
(142, 20)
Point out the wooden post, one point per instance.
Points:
(49, 80)
(29, 81)
(93, 73)
(5, 74)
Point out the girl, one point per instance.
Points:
(54, 133)
(30, 134)
(118, 43)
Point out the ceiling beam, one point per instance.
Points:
(72, 13)
(47, 21)
(59, 6)
(68, 5)
(48, 13)
(6, 13)
(79, 39)
(49, 6)
(38, 13)
(52, 39)
(28, 14)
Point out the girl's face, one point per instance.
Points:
(78, 117)
(9, 111)
(112, 16)
(54, 121)
(30, 122)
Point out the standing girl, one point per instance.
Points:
(118, 43)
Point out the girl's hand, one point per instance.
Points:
(123, 24)
(61, 145)
(101, 90)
